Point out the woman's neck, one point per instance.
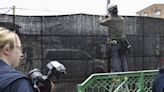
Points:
(5, 60)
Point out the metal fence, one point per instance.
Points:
(134, 81)
(83, 32)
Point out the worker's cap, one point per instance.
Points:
(112, 7)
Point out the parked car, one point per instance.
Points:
(79, 65)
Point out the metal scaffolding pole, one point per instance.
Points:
(108, 2)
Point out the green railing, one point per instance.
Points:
(133, 81)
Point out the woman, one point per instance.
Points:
(11, 80)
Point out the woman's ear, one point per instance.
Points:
(6, 49)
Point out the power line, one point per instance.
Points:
(5, 8)
(46, 10)
(9, 9)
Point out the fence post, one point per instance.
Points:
(79, 88)
(141, 82)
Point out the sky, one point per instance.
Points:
(64, 7)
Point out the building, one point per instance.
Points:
(155, 10)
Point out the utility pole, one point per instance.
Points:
(108, 47)
(14, 18)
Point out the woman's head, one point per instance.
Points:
(10, 47)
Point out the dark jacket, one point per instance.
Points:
(12, 80)
(158, 83)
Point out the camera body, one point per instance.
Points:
(54, 68)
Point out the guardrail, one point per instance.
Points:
(133, 81)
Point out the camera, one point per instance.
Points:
(55, 69)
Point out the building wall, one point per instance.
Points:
(155, 10)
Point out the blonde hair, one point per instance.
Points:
(7, 37)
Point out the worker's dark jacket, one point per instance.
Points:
(158, 83)
(12, 80)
